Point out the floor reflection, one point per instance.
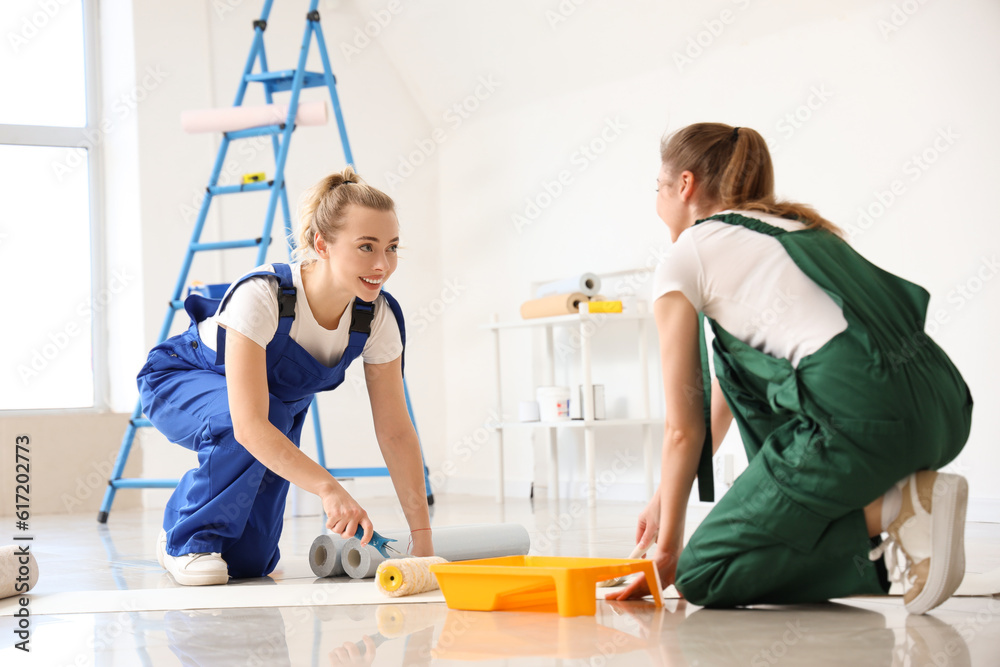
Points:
(120, 556)
(208, 638)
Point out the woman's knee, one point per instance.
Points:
(698, 579)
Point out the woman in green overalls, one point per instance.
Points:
(845, 406)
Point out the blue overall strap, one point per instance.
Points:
(286, 307)
(362, 315)
(398, 313)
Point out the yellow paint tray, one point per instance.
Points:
(535, 583)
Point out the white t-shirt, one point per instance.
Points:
(252, 310)
(748, 284)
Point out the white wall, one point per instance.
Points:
(878, 95)
(876, 101)
(199, 49)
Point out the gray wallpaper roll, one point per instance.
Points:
(327, 551)
(453, 543)
(324, 556)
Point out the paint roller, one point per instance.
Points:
(230, 119)
(399, 577)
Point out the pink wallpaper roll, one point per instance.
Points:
(229, 119)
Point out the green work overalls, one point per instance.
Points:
(876, 403)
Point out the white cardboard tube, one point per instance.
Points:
(587, 283)
(14, 564)
(229, 119)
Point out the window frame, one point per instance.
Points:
(70, 137)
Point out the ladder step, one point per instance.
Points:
(138, 483)
(177, 305)
(226, 245)
(261, 131)
(345, 473)
(282, 80)
(245, 187)
(141, 422)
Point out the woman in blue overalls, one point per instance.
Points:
(236, 385)
(845, 406)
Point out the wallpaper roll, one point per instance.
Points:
(327, 552)
(556, 304)
(588, 283)
(15, 564)
(407, 576)
(324, 556)
(228, 119)
(453, 543)
(360, 560)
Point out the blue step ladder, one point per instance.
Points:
(286, 80)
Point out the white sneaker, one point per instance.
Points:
(927, 539)
(197, 569)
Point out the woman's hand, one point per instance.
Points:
(343, 513)
(351, 654)
(666, 566)
(422, 543)
(649, 523)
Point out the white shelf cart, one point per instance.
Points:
(587, 323)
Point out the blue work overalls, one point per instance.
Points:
(231, 503)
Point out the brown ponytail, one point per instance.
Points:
(734, 168)
(323, 206)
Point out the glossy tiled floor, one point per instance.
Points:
(77, 554)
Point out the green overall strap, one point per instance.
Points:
(706, 476)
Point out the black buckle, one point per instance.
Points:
(361, 317)
(286, 305)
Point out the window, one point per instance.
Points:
(49, 223)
